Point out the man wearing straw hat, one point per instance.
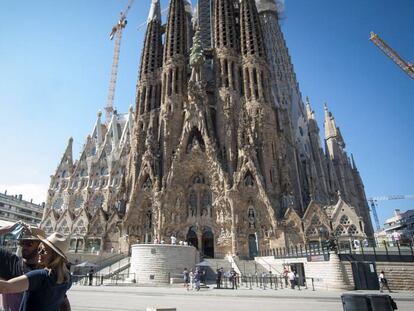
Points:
(12, 266)
(44, 289)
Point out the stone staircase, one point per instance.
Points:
(115, 268)
(250, 267)
(400, 275)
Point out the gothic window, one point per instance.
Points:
(63, 228)
(315, 221)
(64, 174)
(195, 139)
(248, 180)
(344, 220)
(57, 204)
(311, 231)
(147, 185)
(80, 228)
(352, 230)
(340, 231)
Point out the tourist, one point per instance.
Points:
(383, 282)
(186, 277)
(192, 280)
(173, 240)
(44, 289)
(218, 277)
(233, 278)
(12, 266)
(285, 275)
(292, 279)
(197, 278)
(90, 276)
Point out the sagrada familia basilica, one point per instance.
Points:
(219, 151)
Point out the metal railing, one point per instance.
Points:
(296, 251)
(274, 282)
(367, 249)
(98, 280)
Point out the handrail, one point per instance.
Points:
(270, 265)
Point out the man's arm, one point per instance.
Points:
(8, 229)
(16, 285)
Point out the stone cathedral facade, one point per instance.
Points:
(220, 150)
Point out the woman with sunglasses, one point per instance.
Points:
(44, 289)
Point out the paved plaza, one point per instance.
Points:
(139, 298)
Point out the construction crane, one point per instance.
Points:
(406, 66)
(373, 203)
(117, 34)
(142, 26)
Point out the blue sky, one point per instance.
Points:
(55, 62)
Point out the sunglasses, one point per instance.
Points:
(42, 251)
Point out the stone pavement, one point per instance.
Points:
(139, 298)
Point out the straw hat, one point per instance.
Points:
(32, 234)
(58, 243)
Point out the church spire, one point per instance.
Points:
(155, 11)
(175, 38)
(251, 33)
(329, 124)
(174, 81)
(309, 111)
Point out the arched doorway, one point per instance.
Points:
(208, 243)
(192, 237)
(252, 246)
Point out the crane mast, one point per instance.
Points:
(384, 47)
(117, 34)
(373, 204)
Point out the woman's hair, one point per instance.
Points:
(58, 265)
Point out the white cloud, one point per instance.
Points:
(37, 192)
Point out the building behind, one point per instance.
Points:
(220, 150)
(13, 208)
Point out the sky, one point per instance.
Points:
(55, 64)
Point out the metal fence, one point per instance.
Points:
(274, 282)
(98, 280)
(367, 249)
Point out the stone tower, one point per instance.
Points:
(220, 152)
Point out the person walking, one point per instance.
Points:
(186, 277)
(192, 280)
(197, 278)
(383, 282)
(44, 289)
(285, 276)
(292, 279)
(12, 266)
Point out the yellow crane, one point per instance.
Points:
(384, 47)
(117, 34)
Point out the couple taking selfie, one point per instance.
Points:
(38, 279)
